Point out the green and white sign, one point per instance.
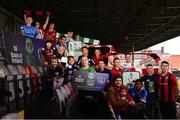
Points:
(86, 40)
(74, 48)
(89, 41)
(129, 77)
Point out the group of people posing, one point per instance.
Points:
(152, 96)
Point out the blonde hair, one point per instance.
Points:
(65, 53)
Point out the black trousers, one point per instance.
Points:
(152, 110)
(48, 90)
(168, 110)
(88, 100)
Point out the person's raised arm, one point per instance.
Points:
(25, 18)
(47, 20)
(151, 57)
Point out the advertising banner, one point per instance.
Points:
(22, 50)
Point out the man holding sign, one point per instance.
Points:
(85, 65)
(90, 86)
(102, 69)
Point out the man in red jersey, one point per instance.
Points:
(168, 92)
(116, 70)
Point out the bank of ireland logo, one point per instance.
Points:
(90, 80)
(101, 80)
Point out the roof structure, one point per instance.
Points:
(122, 23)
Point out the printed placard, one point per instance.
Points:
(90, 81)
(2, 75)
(130, 77)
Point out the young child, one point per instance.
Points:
(55, 74)
(70, 68)
(139, 96)
(124, 96)
(48, 52)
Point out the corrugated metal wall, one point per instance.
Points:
(8, 22)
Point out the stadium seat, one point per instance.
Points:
(28, 90)
(40, 78)
(34, 69)
(69, 85)
(4, 69)
(5, 92)
(67, 90)
(60, 100)
(21, 69)
(27, 84)
(20, 79)
(12, 70)
(70, 100)
(65, 93)
(40, 69)
(34, 82)
(11, 96)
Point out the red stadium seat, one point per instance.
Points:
(34, 78)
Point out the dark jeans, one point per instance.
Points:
(129, 113)
(152, 110)
(140, 111)
(48, 90)
(133, 112)
(168, 110)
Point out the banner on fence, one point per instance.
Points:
(22, 50)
